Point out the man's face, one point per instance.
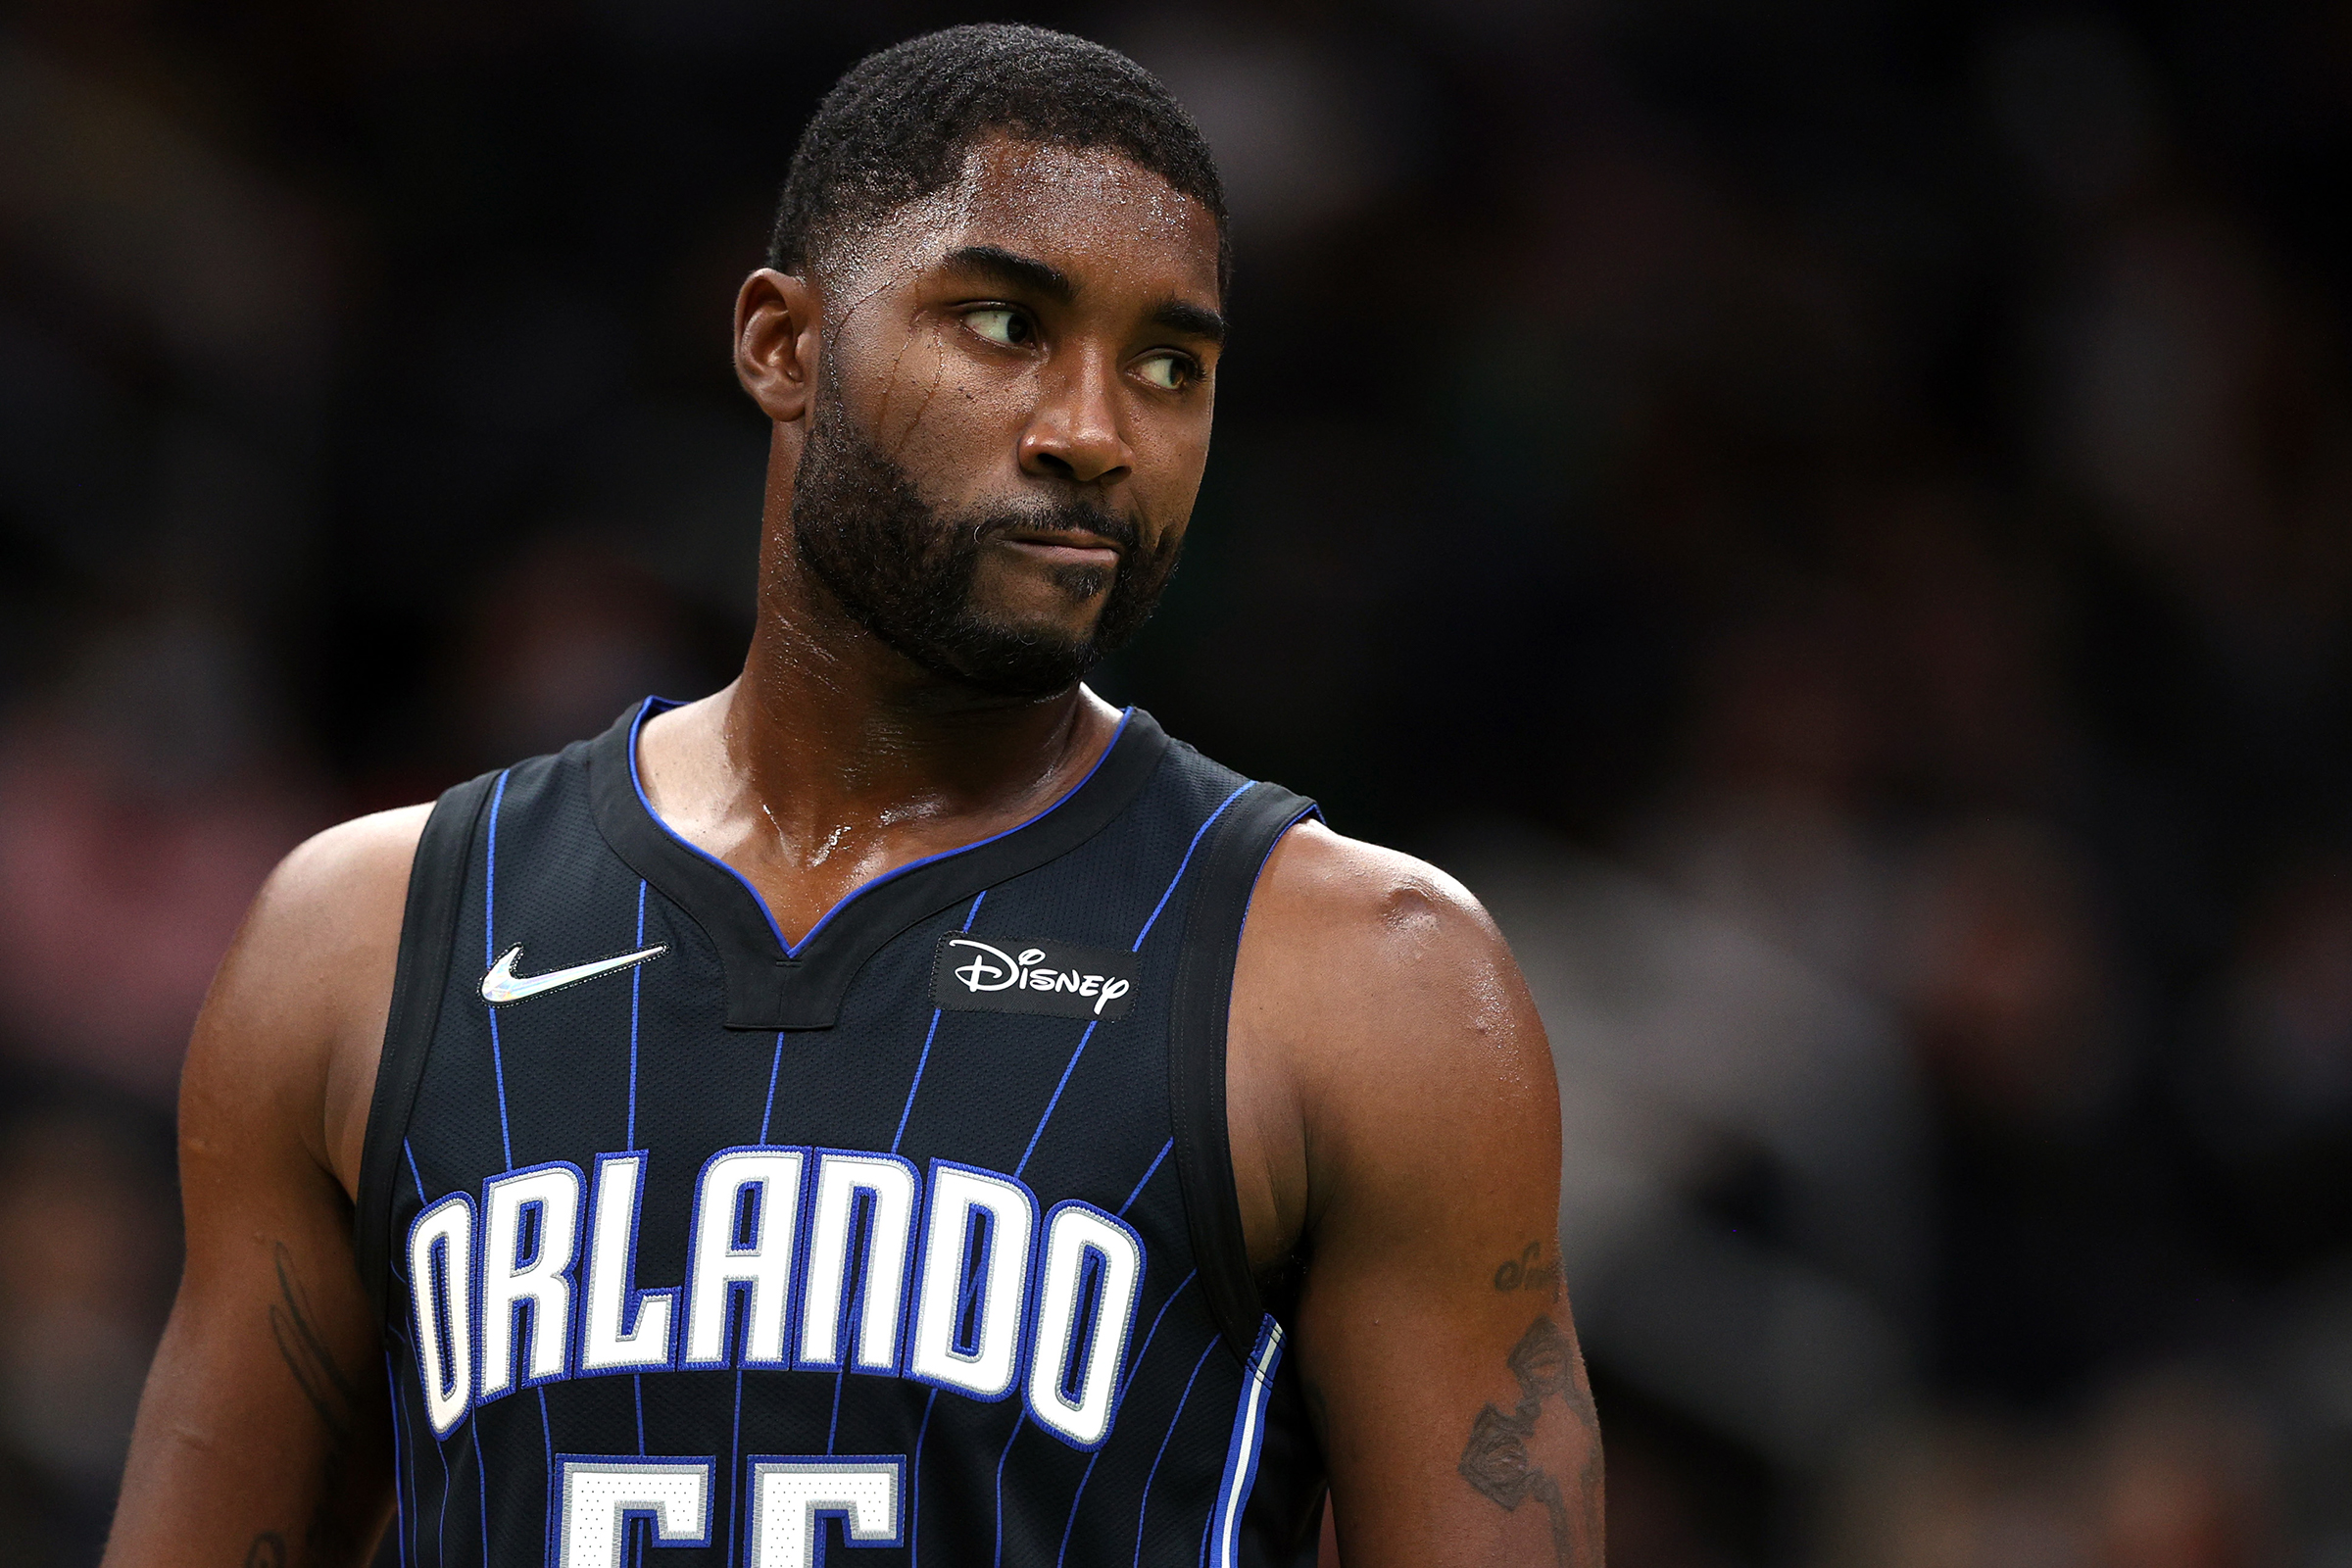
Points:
(1013, 414)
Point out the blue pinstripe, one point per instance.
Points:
(1134, 1367)
(1145, 1510)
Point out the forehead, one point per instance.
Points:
(1086, 211)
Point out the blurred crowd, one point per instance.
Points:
(1835, 520)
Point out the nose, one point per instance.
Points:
(1074, 433)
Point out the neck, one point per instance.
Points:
(829, 726)
(833, 759)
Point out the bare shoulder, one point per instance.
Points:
(1388, 945)
(336, 895)
(340, 876)
(294, 1025)
(1363, 894)
(1376, 1007)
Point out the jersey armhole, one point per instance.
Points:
(1235, 855)
(428, 929)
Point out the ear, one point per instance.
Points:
(777, 341)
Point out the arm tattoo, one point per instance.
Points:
(323, 1382)
(1497, 1462)
(293, 1324)
(1528, 1272)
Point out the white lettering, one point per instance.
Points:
(962, 1202)
(764, 1261)
(538, 1290)
(889, 1239)
(989, 970)
(888, 1280)
(790, 1499)
(794, 1495)
(609, 1342)
(1059, 1363)
(598, 1498)
(441, 1247)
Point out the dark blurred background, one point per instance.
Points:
(1835, 518)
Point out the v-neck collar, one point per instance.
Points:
(775, 984)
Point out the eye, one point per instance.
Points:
(999, 325)
(1168, 371)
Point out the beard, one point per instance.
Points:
(905, 569)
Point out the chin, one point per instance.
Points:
(1045, 618)
(1070, 632)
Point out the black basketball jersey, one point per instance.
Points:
(915, 1241)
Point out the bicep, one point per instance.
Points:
(1432, 1329)
(265, 1416)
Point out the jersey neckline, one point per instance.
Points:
(772, 984)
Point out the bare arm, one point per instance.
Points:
(265, 1435)
(1395, 1119)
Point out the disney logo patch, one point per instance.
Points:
(969, 975)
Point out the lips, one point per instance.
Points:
(1064, 538)
(1066, 549)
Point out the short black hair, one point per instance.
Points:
(897, 125)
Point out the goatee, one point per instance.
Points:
(905, 571)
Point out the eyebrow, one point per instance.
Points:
(1027, 271)
(1179, 315)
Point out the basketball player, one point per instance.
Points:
(899, 1106)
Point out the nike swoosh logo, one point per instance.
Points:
(503, 985)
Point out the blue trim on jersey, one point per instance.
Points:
(1197, 834)
(636, 990)
(1249, 1441)
(735, 1468)
(498, 1067)
(517, 1372)
(653, 704)
(972, 1279)
(1079, 1350)
(1144, 1510)
(1150, 1333)
(767, 1110)
(929, 1035)
(399, 1448)
(546, 1433)
(482, 1473)
(998, 1557)
(1146, 1178)
(1070, 1524)
(634, 1296)
(440, 1514)
(1141, 1351)
(1060, 1084)
(1151, 920)
(914, 1487)
(857, 1245)
(558, 1505)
